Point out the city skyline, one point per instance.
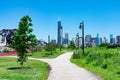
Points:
(100, 17)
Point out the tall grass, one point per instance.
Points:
(102, 61)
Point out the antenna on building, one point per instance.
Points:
(59, 19)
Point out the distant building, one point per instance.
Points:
(93, 41)
(66, 39)
(88, 40)
(77, 40)
(118, 39)
(8, 35)
(42, 42)
(2, 40)
(53, 41)
(101, 41)
(112, 40)
(48, 38)
(97, 40)
(59, 37)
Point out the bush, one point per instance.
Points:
(99, 61)
(6, 50)
(36, 49)
(107, 55)
(87, 60)
(116, 60)
(104, 66)
(92, 56)
(118, 72)
(76, 55)
(105, 45)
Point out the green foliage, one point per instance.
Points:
(23, 38)
(36, 48)
(104, 44)
(72, 45)
(5, 50)
(103, 61)
(50, 48)
(104, 66)
(76, 55)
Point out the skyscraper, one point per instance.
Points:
(59, 37)
(88, 40)
(77, 40)
(118, 39)
(97, 40)
(48, 38)
(66, 39)
(112, 40)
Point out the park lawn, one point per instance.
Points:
(38, 71)
(109, 69)
(45, 54)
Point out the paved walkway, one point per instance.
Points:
(63, 69)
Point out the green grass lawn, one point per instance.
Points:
(101, 61)
(38, 71)
(44, 54)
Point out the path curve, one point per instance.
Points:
(63, 69)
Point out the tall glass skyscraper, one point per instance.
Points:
(97, 40)
(66, 39)
(48, 38)
(112, 40)
(59, 37)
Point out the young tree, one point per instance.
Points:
(50, 47)
(72, 45)
(23, 39)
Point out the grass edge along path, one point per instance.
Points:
(109, 69)
(39, 70)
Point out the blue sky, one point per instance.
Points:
(100, 16)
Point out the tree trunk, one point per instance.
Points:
(22, 65)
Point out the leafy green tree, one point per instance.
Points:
(50, 48)
(72, 45)
(24, 38)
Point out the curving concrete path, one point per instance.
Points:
(63, 69)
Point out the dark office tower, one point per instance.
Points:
(59, 37)
(97, 40)
(66, 40)
(48, 38)
(112, 40)
(118, 40)
(88, 40)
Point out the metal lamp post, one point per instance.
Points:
(82, 27)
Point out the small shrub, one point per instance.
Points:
(6, 50)
(104, 66)
(92, 56)
(99, 61)
(36, 49)
(76, 55)
(87, 60)
(116, 60)
(107, 55)
(118, 72)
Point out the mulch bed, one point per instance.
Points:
(19, 68)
